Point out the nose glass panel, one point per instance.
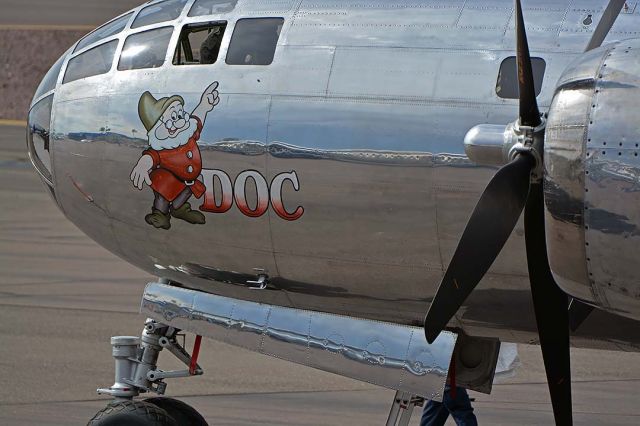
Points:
(107, 30)
(92, 62)
(163, 11)
(209, 7)
(254, 41)
(145, 50)
(49, 81)
(38, 140)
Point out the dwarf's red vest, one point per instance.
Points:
(178, 168)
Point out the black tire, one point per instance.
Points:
(132, 413)
(184, 414)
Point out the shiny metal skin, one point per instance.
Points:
(489, 144)
(369, 104)
(496, 145)
(384, 354)
(592, 178)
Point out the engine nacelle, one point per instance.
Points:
(592, 179)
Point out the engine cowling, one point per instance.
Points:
(592, 179)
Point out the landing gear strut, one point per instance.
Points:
(136, 372)
(136, 358)
(402, 408)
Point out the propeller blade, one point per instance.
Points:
(551, 308)
(529, 112)
(578, 313)
(488, 229)
(605, 24)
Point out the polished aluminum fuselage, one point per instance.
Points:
(369, 103)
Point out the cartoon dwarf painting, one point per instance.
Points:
(172, 163)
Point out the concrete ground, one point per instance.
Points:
(62, 297)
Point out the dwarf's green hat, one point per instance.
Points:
(151, 109)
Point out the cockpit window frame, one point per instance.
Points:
(135, 24)
(80, 47)
(71, 60)
(238, 28)
(50, 80)
(183, 42)
(120, 68)
(193, 9)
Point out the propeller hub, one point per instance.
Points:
(530, 142)
(497, 145)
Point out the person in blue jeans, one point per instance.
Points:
(454, 402)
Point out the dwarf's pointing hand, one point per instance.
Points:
(210, 97)
(208, 101)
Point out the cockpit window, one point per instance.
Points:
(163, 11)
(199, 43)
(107, 30)
(92, 62)
(209, 7)
(49, 81)
(507, 84)
(254, 41)
(145, 50)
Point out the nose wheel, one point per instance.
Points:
(136, 372)
(182, 413)
(158, 411)
(132, 413)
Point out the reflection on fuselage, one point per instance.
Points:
(361, 128)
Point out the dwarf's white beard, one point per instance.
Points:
(181, 139)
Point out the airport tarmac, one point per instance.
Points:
(62, 296)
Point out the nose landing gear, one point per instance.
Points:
(136, 372)
(402, 408)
